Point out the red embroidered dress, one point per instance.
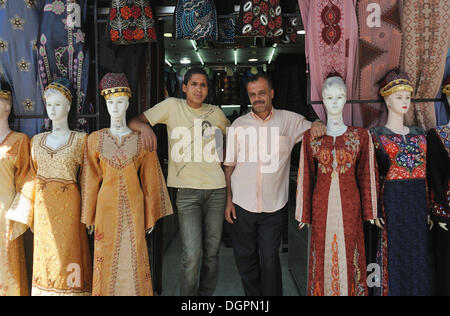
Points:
(336, 193)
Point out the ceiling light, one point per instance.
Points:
(168, 63)
(185, 61)
(200, 57)
(302, 32)
(235, 56)
(167, 34)
(273, 53)
(253, 60)
(194, 45)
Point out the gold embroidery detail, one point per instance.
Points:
(17, 23)
(23, 65)
(3, 46)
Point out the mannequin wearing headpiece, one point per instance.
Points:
(401, 154)
(49, 203)
(14, 166)
(124, 195)
(438, 158)
(336, 197)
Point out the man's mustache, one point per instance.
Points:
(259, 102)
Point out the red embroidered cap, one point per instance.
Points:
(114, 84)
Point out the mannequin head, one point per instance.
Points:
(118, 106)
(398, 102)
(334, 95)
(5, 101)
(57, 105)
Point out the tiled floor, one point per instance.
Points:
(229, 283)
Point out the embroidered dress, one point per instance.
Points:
(261, 18)
(196, 19)
(62, 46)
(439, 182)
(380, 47)
(14, 166)
(336, 193)
(426, 69)
(405, 240)
(331, 44)
(131, 22)
(50, 204)
(124, 195)
(19, 25)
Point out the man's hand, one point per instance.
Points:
(318, 129)
(230, 211)
(141, 124)
(149, 139)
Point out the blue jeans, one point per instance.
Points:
(201, 216)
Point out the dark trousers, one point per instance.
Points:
(256, 242)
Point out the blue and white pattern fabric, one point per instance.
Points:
(19, 25)
(196, 19)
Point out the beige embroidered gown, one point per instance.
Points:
(14, 166)
(124, 195)
(50, 204)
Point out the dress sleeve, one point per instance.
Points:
(22, 164)
(305, 182)
(367, 175)
(21, 212)
(156, 197)
(91, 179)
(437, 161)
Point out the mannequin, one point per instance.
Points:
(438, 175)
(14, 166)
(124, 195)
(401, 155)
(336, 198)
(49, 203)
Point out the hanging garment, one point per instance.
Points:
(426, 69)
(380, 48)
(442, 115)
(331, 44)
(19, 25)
(14, 166)
(404, 243)
(50, 205)
(261, 18)
(131, 22)
(196, 19)
(62, 46)
(124, 196)
(336, 193)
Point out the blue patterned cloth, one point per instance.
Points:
(196, 19)
(19, 25)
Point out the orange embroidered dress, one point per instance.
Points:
(336, 193)
(14, 166)
(124, 195)
(50, 204)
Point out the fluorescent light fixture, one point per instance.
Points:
(185, 61)
(253, 60)
(271, 55)
(301, 32)
(167, 34)
(168, 63)
(200, 57)
(235, 56)
(194, 45)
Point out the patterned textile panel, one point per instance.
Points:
(196, 19)
(262, 18)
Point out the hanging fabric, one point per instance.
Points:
(380, 45)
(442, 114)
(226, 25)
(131, 22)
(62, 46)
(19, 25)
(331, 44)
(290, 24)
(260, 18)
(425, 24)
(196, 19)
